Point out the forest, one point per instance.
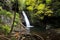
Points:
(29, 19)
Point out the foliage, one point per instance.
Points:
(6, 13)
(6, 19)
(38, 8)
(41, 9)
(48, 1)
(4, 29)
(56, 7)
(16, 19)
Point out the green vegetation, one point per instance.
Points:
(35, 8)
(6, 18)
(40, 13)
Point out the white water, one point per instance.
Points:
(26, 19)
(27, 22)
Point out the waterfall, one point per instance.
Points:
(26, 19)
(27, 22)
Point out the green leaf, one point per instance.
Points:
(15, 23)
(48, 1)
(30, 8)
(41, 7)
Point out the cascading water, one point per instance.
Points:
(27, 22)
